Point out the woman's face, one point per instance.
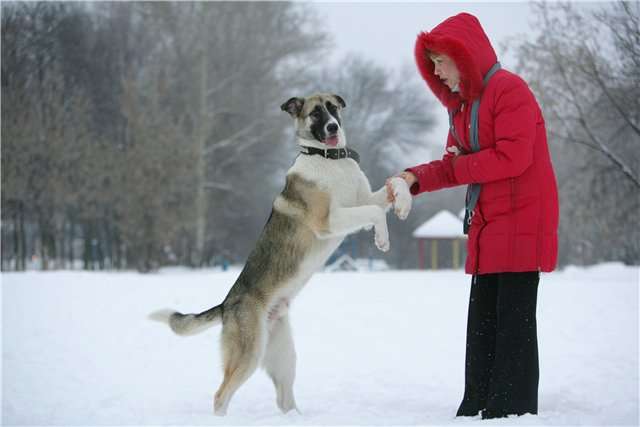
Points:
(445, 69)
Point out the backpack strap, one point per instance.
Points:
(473, 190)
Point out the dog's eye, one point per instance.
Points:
(315, 114)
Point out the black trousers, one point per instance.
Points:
(501, 369)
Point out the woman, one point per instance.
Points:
(513, 225)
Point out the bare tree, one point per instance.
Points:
(224, 83)
(142, 134)
(583, 66)
(42, 123)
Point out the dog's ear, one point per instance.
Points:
(293, 106)
(340, 100)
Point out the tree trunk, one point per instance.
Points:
(86, 255)
(62, 245)
(100, 249)
(3, 249)
(21, 261)
(44, 253)
(16, 238)
(118, 255)
(71, 236)
(201, 166)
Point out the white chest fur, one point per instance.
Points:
(340, 178)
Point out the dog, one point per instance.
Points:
(326, 197)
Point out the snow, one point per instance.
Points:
(383, 348)
(444, 224)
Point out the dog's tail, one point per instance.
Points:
(188, 324)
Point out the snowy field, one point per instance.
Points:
(373, 349)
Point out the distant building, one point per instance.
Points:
(441, 241)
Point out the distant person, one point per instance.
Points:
(511, 209)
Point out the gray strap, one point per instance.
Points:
(473, 190)
(475, 145)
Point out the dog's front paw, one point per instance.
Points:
(402, 197)
(382, 243)
(382, 239)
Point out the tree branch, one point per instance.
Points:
(217, 186)
(607, 92)
(239, 150)
(583, 122)
(226, 142)
(574, 140)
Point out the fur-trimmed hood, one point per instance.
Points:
(462, 38)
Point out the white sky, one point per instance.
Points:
(386, 32)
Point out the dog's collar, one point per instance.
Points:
(332, 153)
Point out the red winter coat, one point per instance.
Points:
(515, 222)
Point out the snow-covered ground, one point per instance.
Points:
(381, 348)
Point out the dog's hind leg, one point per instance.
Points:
(242, 347)
(280, 362)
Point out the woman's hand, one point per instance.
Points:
(456, 152)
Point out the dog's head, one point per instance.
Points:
(318, 121)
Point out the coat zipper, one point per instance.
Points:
(456, 136)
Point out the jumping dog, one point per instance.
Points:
(326, 196)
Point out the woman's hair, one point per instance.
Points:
(430, 54)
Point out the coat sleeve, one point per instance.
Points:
(515, 121)
(435, 175)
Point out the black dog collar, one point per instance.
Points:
(332, 153)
